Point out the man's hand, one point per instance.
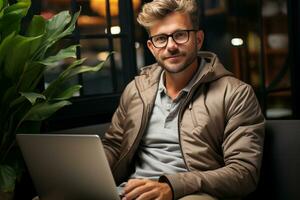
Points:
(143, 189)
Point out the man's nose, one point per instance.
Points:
(171, 43)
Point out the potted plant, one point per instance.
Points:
(23, 60)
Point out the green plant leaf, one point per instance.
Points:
(8, 178)
(2, 4)
(57, 27)
(37, 27)
(69, 52)
(76, 63)
(22, 49)
(4, 48)
(23, 59)
(71, 26)
(17, 101)
(31, 127)
(54, 86)
(83, 69)
(57, 23)
(66, 93)
(10, 23)
(31, 77)
(44, 110)
(32, 97)
(54, 28)
(21, 6)
(10, 94)
(75, 69)
(4, 87)
(12, 16)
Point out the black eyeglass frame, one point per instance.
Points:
(172, 36)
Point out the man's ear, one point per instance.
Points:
(150, 47)
(200, 38)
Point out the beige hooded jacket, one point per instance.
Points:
(221, 132)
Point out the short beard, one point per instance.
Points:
(181, 68)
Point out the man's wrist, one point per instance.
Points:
(164, 179)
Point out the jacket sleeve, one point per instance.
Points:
(242, 152)
(113, 137)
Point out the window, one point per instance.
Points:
(238, 31)
(253, 40)
(103, 26)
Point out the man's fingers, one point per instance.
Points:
(152, 194)
(133, 183)
(138, 191)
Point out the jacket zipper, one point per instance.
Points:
(194, 119)
(191, 93)
(145, 119)
(179, 138)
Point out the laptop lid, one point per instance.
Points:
(68, 166)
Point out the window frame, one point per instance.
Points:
(99, 108)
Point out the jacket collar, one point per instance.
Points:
(212, 70)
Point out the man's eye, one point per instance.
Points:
(180, 35)
(160, 39)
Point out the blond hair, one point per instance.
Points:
(158, 9)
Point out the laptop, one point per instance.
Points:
(68, 167)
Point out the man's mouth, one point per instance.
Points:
(173, 56)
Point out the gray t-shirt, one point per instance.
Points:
(159, 151)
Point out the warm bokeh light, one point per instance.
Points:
(102, 55)
(99, 6)
(237, 41)
(114, 30)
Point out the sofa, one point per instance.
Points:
(280, 173)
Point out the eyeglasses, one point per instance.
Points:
(179, 37)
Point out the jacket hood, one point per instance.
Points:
(212, 70)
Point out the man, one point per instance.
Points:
(185, 128)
